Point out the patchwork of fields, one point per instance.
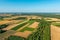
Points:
(25, 26)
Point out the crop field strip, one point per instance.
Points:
(20, 25)
(11, 25)
(30, 27)
(27, 28)
(29, 23)
(23, 27)
(56, 24)
(7, 34)
(25, 31)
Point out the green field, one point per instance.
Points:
(19, 26)
(27, 29)
(23, 24)
(56, 24)
(15, 38)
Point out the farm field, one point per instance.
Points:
(29, 27)
(55, 33)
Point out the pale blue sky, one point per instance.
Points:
(29, 5)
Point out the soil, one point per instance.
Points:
(34, 25)
(55, 32)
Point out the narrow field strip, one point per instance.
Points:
(4, 22)
(11, 26)
(24, 34)
(30, 22)
(56, 24)
(7, 34)
(30, 27)
(19, 26)
(23, 27)
(27, 28)
(34, 25)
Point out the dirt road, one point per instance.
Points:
(55, 33)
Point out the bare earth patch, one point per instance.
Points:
(34, 25)
(55, 33)
(53, 19)
(4, 22)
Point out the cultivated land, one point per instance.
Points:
(55, 33)
(25, 25)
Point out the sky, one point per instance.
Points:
(29, 5)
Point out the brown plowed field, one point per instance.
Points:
(34, 25)
(55, 33)
(4, 22)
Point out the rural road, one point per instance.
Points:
(55, 33)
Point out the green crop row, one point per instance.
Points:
(3, 26)
(15, 38)
(56, 24)
(27, 28)
(19, 26)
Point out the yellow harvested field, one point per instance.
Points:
(54, 19)
(24, 34)
(15, 21)
(34, 25)
(10, 27)
(13, 24)
(4, 22)
(12, 21)
(55, 33)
